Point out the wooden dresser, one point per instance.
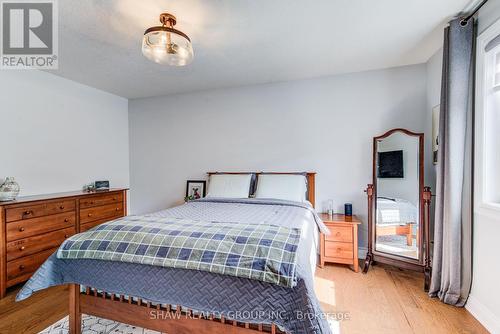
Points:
(341, 246)
(31, 228)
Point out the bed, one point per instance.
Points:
(396, 217)
(182, 300)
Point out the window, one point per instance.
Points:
(487, 156)
(491, 128)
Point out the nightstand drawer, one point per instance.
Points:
(341, 250)
(339, 233)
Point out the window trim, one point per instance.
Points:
(481, 206)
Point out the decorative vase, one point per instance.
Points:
(9, 189)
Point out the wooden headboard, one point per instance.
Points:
(311, 185)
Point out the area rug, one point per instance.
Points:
(396, 244)
(94, 325)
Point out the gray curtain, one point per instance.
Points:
(452, 257)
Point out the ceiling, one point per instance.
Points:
(244, 42)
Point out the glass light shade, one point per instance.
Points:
(167, 46)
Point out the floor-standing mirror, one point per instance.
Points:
(398, 203)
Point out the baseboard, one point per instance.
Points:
(483, 315)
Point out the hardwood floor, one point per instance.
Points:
(35, 313)
(386, 300)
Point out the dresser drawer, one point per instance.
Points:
(21, 269)
(30, 227)
(88, 226)
(36, 244)
(101, 200)
(39, 210)
(100, 212)
(339, 233)
(341, 250)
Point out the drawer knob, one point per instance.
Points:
(91, 202)
(114, 198)
(21, 229)
(66, 236)
(61, 207)
(90, 215)
(27, 213)
(117, 209)
(21, 267)
(22, 248)
(66, 220)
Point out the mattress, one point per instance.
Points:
(395, 211)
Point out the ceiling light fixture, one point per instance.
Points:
(166, 45)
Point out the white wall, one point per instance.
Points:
(433, 73)
(434, 69)
(58, 135)
(488, 15)
(324, 125)
(484, 299)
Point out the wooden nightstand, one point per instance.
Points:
(341, 246)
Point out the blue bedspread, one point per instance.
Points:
(295, 309)
(263, 252)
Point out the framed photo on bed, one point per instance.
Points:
(195, 189)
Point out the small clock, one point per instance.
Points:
(101, 185)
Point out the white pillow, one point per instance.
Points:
(287, 187)
(229, 185)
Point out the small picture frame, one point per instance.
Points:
(195, 189)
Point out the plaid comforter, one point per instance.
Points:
(262, 252)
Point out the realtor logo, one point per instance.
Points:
(29, 34)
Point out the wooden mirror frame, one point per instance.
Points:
(422, 264)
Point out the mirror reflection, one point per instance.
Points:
(397, 188)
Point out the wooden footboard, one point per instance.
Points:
(165, 319)
(406, 229)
